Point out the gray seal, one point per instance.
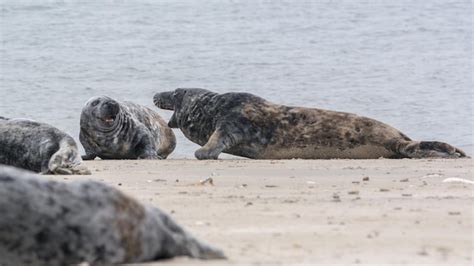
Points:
(123, 130)
(45, 222)
(246, 125)
(38, 147)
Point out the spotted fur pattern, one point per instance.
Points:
(45, 222)
(246, 125)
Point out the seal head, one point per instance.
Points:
(102, 112)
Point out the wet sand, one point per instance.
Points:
(310, 212)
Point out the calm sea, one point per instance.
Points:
(406, 62)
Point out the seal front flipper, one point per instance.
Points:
(145, 150)
(219, 141)
(85, 141)
(88, 156)
(173, 123)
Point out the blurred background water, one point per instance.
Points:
(407, 63)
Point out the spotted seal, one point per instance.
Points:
(46, 222)
(246, 125)
(123, 130)
(38, 147)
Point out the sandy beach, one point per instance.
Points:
(302, 212)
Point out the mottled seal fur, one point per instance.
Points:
(45, 222)
(38, 147)
(246, 125)
(114, 130)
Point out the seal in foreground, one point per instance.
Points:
(38, 147)
(45, 222)
(113, 130)
(246, 125)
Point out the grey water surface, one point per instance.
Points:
(407, 62)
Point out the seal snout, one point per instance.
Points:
(109, 111)
(164, 100)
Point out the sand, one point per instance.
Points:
(299, 212)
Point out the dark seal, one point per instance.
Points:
(38, 147)
(246, 125)
(45, 222)
(113, 130)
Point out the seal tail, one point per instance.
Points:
(429, 149)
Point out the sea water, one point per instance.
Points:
(407, 63)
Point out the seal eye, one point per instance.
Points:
(94, 103)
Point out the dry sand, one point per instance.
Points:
(311, 212)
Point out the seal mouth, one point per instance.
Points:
(109, 120)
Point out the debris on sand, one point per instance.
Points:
(404, 180)
(384, 190)
(366, 178)
(207, 180)
(354, 192)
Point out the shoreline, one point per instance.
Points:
(293, 212)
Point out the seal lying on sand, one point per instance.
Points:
(45, 222)
(246, 125)
(113, 130)
(38, 147)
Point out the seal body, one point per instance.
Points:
(38, 147)
(46, 222)
(246, 125)
(113, 130)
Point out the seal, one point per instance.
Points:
(46, 222)
(246, 125)
(38, 147)
(114, 130)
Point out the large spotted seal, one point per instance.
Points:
(246, 125)
(38, 147)
(113, 130)
(45, 222)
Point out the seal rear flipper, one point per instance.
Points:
(180, 242)
(430, 149)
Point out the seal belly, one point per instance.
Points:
(316, 152)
